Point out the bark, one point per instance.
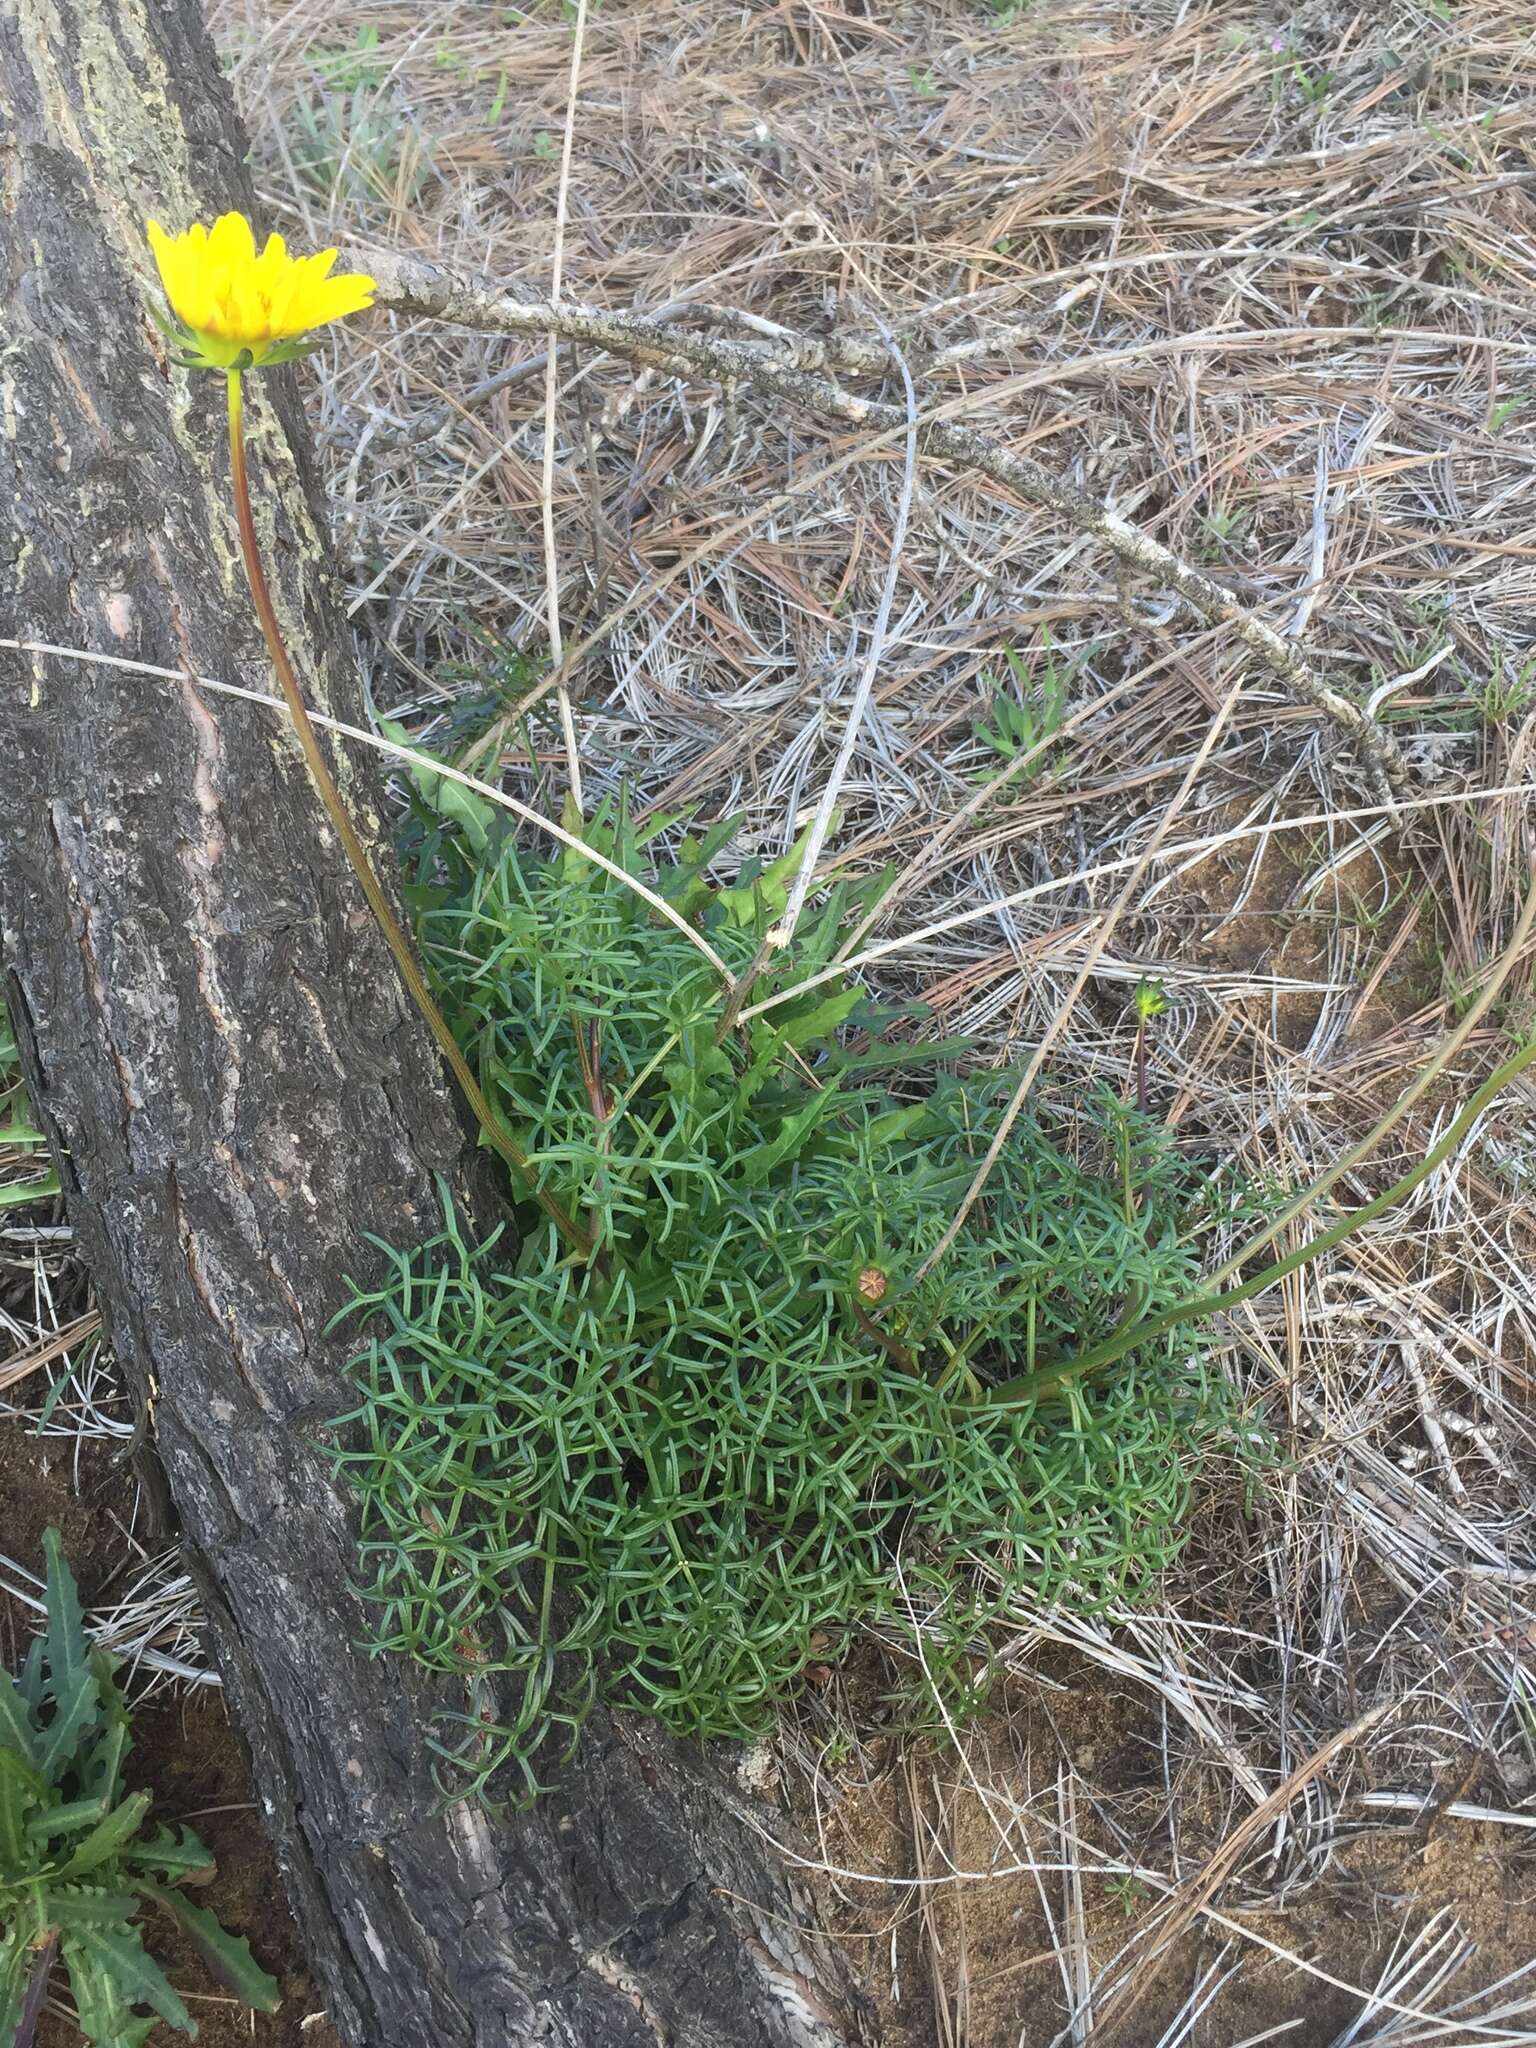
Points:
(239, 1094)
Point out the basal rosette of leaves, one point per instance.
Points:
(78, 1863)
(678, 1472)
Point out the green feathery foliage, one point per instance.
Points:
(76, 1863)
(672, 1471)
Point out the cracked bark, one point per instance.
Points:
(239, 1092)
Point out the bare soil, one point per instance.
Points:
(974, 1954)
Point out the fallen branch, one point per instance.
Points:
(778, 369)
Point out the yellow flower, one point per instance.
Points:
(239, 309)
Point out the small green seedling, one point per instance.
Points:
(76, 1865)
(1149, 1001)
(1023, 719)
(357, 66)
(1224, 527)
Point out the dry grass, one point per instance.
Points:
(1279, 306)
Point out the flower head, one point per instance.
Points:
(238, 310)
(1150, 998)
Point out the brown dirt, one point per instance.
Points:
(974, 1963)
(184, 1750)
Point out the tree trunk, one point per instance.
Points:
(239, 1093)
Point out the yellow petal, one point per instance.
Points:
(224, 291)
(171, 259)
(338, 296)
(162, 245)
(231, 245)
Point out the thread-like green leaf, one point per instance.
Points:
(689, 1463)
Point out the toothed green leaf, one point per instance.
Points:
(76, 1906)
(73, 1718)
(30, 1682)
(71, 1866)
(68, 1650)
(18, 1725)
(103, 1768)
(21, 1790)
(227, 1955)
(446, 798)
(107, 1838)
(15, 1961)
(173, 1854)
(69, 1819)
(110, 1972)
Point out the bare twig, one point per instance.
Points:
(784, 931)
(46, 1350)
(821, 823)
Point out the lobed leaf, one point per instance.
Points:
(18, 1723)
(107, 1838)
(227, 1955)
(110, 1972)
(67, 1649)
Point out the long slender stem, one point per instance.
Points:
(1029, 1385)
(37, 1991)
(362, 866)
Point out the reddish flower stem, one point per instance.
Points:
(357, 854)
